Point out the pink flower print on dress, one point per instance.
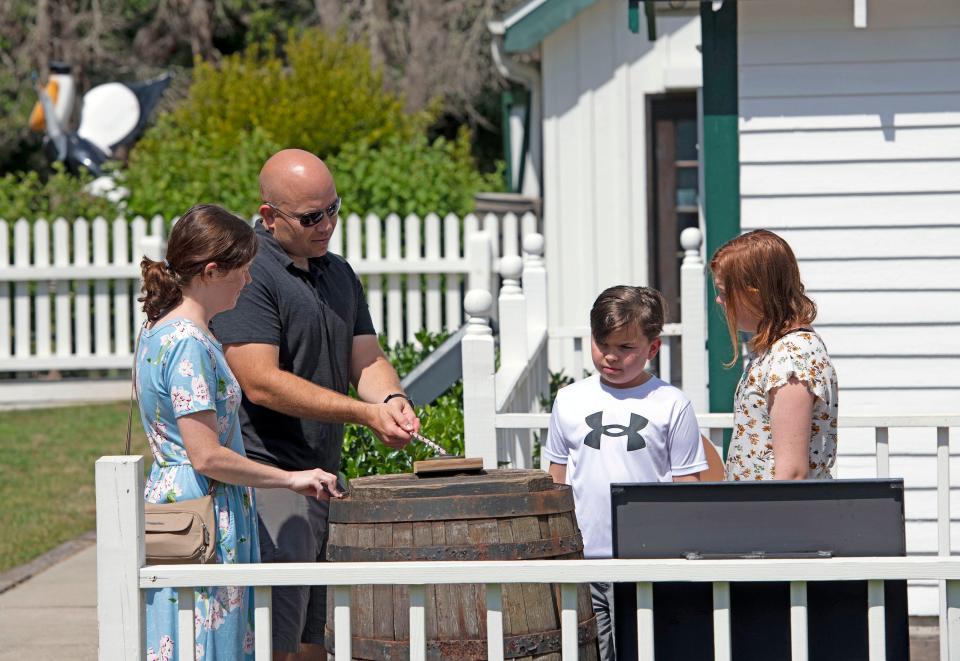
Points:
(182, 400)
(185, 368)
(182, 329)
(224, 523)
(235, 597)
(166, 650)
(222, 424)
(201, 392)
(217, 615)
(233, 397)
(248, 642)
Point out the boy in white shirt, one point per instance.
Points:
(620, 425)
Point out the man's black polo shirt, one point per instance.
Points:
(312, 317)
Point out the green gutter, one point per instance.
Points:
(633, 15)
(536, 25)
(721, 180)
(506, 101)
(651, 13)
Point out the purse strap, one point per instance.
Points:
(133, 391)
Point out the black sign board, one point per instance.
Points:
(830, 518)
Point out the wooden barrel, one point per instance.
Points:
(495, 515)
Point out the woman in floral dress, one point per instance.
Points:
(189, 401)
(785, 407)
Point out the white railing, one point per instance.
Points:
(522, 381)
(122, 577)
(571, 344)
(715, 423)
(68, 290)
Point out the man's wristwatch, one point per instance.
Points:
(398, 394)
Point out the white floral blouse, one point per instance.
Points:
(801, 354)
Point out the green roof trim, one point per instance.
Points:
(539, 23)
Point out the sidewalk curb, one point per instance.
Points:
(17, 575)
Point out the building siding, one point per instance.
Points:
(850, 149)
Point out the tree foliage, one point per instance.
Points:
(411, 176)
(318, 93)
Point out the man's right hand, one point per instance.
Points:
(388, 425)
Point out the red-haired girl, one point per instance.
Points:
(785, 407)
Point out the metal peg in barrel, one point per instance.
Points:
(495, 515)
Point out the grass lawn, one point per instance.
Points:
(46, 474)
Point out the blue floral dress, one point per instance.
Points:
(182, 370)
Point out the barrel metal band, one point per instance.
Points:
(528, 644)
(541, 548)
(451, 508)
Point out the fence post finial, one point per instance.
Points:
(479, 388)
(691, 239)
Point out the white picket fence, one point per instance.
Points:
(68, 289)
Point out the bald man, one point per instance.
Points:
(298, 337)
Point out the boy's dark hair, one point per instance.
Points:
(642, 308)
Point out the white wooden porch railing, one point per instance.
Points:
(522, 381)
(569, 346)
(122, 577)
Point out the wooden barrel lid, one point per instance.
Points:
(407, 485)
(492, 494)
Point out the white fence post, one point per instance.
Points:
(4, 291)
(535, 290)
(479, 389)
(479, 254)
(513, 313)
(120, 555)
(693, 311)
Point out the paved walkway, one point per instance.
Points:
(53, 615)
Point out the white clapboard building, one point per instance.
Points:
(835, 124)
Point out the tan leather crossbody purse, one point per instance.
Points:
(180, 533)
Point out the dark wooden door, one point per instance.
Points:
(673, 196)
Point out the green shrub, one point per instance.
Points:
(61, 194)
(441, 421)
(172, 169)
(318, 95)
(410, 176)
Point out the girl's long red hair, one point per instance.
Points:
(758, 273)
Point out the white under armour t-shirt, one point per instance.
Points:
(607, 435)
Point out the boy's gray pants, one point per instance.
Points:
(602, 596)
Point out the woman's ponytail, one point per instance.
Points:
(161, 288)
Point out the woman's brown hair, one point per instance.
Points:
(204, 234)
(758, 273)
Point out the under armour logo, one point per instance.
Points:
(632, 431)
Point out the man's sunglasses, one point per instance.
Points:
(310, 218)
